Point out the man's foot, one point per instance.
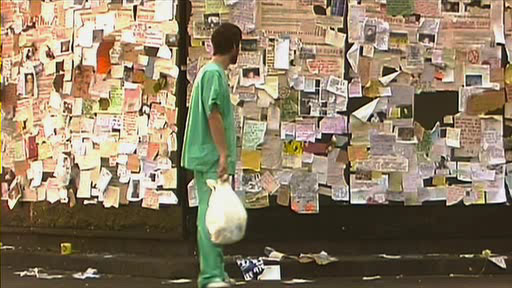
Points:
(218, 285)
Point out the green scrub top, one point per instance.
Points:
(199, 151)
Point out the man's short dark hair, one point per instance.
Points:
(226, 38)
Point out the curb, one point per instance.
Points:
(187, 267)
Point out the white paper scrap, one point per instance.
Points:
(297, 281)
(500, 261)
(89, 273)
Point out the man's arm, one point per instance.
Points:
(219, 138)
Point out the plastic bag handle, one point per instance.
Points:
(212, 184)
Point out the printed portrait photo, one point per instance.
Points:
(405, 134)
(406, 111)
(249, 45)
(474, 80)
(212, 21)
(171, 40)
(30, 83)
(476, 4)
(427, 39)
(370, 33)
(65, 46)
(29, 54)
(448, 6)
(251, 73)
(251, 76)
(97, 35)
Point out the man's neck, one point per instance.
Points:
(222, 61)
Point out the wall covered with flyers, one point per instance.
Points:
(89, 110)
(326, 97)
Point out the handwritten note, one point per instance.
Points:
(305, 131)
(334, 125)
(470, 135)
(269, 183)
(254, 132)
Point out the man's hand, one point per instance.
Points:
(219, 138)
(223, 168)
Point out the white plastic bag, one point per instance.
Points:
(226, 217)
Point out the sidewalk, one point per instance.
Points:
(9, 280)
(187, 267)
(158, 257)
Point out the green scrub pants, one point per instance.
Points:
(211, 258)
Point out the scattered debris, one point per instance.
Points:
(66, 249)
(297, 281)
(38, 273)
(496, 259)
(7, 247)
(273, 254)
(500, 261)
(321, 258)
(177, 281)
(271, 273)
(486, 253)
(251, 268)
(393, 257)
(371, 278)
(89, 273)
(91, 202)
(463, 276)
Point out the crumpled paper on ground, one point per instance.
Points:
(321, 258)
(38, 273)
(89, 273)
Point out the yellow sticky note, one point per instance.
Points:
(395, 182)
(251, 159)
(508, 75)
(357, 153)
(376, 175)
(108, 149)
(439, 181)
(479, 189)
(395, 113)
(170, 178)
(196, 43)
(66, 249)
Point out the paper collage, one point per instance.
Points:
(89, 103)
(89, 87)
(289, 86)
(396, 51)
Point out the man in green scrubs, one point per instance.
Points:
(210, 142)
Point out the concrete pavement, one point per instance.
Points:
(10, 280)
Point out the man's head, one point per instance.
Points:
(226, 41)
